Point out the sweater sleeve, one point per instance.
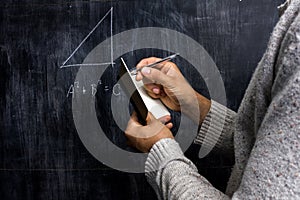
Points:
(217, 128)
(173, 176)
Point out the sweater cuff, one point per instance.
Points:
(162, 152)
(216, 129)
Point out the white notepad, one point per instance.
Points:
(155, 106)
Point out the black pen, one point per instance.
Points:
(135, 71)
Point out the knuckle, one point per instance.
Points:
(153, 58)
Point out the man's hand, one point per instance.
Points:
(165, 82)
(144, 137)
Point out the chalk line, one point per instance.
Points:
(111, 38)
(88, 35)
(86, 64)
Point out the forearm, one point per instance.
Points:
(197, 108)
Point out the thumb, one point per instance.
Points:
(156, 76)
(150, 118)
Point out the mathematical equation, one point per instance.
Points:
(77, 88)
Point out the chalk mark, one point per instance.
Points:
(55, 169)
(111, 38)
(85, 64)
(83, 41)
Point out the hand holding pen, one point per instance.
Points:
(135, 71)
(164, 82)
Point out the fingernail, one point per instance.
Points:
(155, 90)
(145, 70)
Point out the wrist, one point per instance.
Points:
(204, 106)
(197, 107)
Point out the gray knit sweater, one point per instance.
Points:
(265, 133)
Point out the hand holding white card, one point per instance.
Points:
(154, 106)
(141, 101)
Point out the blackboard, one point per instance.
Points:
(42, 155)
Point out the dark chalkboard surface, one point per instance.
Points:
(42, 155)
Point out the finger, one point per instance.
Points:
(150, 118)
(154, 96)
(133, 123)
(169, 125)
(154, 88)
(147, 61)
(142, 63)
(166, 64)
(151, 60)
(156, 76)
(134, 116)
(165, 119)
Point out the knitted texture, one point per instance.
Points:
(266, 131)
(216, 133)
(169, 172)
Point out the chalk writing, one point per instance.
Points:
(86, 37)
(82, 89)
(116, 89)
(94, 89)
(71, 91)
